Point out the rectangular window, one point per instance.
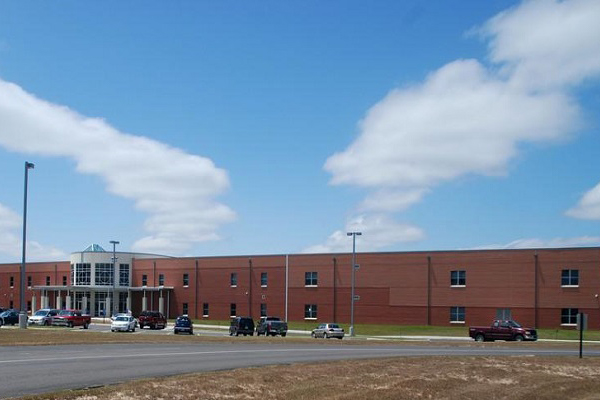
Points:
(458, 278)
(29, 281)
(568, 316)
(186, 280)
(12, 282)
(205, 310)
(264, 279)
(263, 310)
(233, 310)
(185, 308)
(64, 280)
(47, 281)
(311, 279)
(569, 277)
(503, 313)
(457, 315)
(72, 274)
(233, 279)
(144, 280)
(29, 306)
(161, 279)
(310, 311)
(11, 304)
(123, 274)
(104, 274)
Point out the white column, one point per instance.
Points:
(58, 300)
(84, 304)
(161, 303)
(32, 304)
(68, 298)
(129, 300)
(107, 309)
(144, 302)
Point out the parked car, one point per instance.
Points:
(502, 330)
(241, 325)
(271, 326)
(9, 317)
(327, 331)
(71, 318)
(43, 317)
(183, 324)
(153, 319)
(123, 323)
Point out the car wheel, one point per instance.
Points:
(519, 338)
(340, 337)
(283, 334)
(325, 335)
(133, 329)
(141, 326)
(237, 334)
(70, 324)
(46, 323)
(175, 332)
(312, 335)
(479, 337)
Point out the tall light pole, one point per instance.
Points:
(114, 258)
(354, 235)
(23, 312)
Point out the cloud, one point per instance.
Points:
(589, 205)
(583, 241)
(11, 242)
(469, 118)
(378, 231)
(176, 189)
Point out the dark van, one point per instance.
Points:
(241, 325)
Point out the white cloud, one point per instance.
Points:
(378, 231)
(533, 243)
(589, 205)
(11, 242)
(470, 118)
(175, 188)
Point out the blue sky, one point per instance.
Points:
(199, 128)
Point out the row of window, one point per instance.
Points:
(569, 277)
(11, 281)
(310, 310)
(81, 274)
(568, 316)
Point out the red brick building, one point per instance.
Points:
(544, 288)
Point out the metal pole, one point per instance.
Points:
(114, 243)
(353, 234)
(23, 311)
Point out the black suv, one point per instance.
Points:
(183, 324)
(153, 319)
(243, 325)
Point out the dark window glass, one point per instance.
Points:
(47, 281)
(570, 277)
(310, 311)
(569, 316)
(29, 281)
(457, 314)
(186, 279)
(233, 280)
(263, 310)
(144, 280)
(311, 278)
(185, 308)
(458, 278)
(161, 280)
(233, 310)
(263, 279)
(64, 280)
(205, 309)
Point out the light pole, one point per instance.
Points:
(354, 235)
(114, 258)
(23, 312)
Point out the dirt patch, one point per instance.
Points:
(394, 378)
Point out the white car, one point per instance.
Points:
(124, 323)
(42, 317)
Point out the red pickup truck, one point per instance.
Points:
(502, 330)
(71, 318)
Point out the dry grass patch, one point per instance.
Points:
(394, 378)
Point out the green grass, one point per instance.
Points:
(424, 330)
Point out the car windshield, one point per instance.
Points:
(65, 313)
(183, 321)
(335, 326)
(41, 313)
(123, 318)
(5, 314)
(514, 324)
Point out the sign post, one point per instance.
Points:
(582, 320)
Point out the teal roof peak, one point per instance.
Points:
(95, 248)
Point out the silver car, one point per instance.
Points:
(42, 317)
(328, 331)
(123, 323)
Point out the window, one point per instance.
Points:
(503, 313)
(185, 308)
(568, 316)
(161, 279)
(47, 281)
(64, 280)
(233, 309)
(311, 278)
(29, 281)
(144, 280)
(457, 315)
(11, 304)
(263, 310)
(72, 274)
(263, 279)
(310, 311)
(186, 280)
(205, 310)
(104, 274)
(29, 306)
(570, 277)
(458, 278)
(12, 283)
(233, 279)
(123, 274)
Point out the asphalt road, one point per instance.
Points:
(26, 370)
